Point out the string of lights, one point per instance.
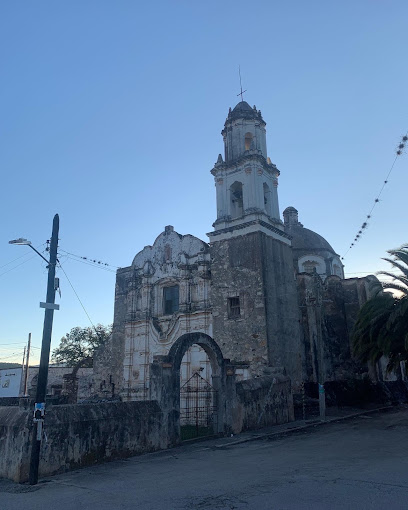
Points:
(90, 264)
(398, 152)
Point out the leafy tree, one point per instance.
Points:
(382, 324)
(79, 345)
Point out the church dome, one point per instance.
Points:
(310, 250)
(305, 239)
(242, 105)
(244, 111)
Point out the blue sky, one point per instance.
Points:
(111, 113)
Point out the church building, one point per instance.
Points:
(268, 291)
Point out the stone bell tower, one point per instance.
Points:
(254, 297)
(246, 181)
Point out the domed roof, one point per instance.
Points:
(244, 111)
(242, 105)
(307, 240)
(303, 238)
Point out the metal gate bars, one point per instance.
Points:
(198, 408)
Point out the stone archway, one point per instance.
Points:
(165, 381)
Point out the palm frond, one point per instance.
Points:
(395, 286)
(370, 329)
(397, 265)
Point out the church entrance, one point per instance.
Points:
(190, 385)
(198, 397)
(198, 408)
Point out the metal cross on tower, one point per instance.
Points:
(240, 84)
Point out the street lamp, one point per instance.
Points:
(22, 241)
(50, 306)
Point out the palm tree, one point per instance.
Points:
(382, 324)
(400, 262)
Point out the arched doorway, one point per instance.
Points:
(198, 397)
(166, 387)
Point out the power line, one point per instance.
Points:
(18, 265)
(15, 343)
(76, 294)
(398, 152)
(12, 355)
(99, 263)
(17, 258)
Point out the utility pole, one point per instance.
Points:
(321, 374)
(21, 392)
(50, 306)
(25, 394)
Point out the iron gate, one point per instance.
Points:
(198, 408)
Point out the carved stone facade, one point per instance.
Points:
(164, 294)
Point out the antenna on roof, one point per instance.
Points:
(240, 84)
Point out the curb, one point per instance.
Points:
(288, 431)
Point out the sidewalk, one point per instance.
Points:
(276, 431)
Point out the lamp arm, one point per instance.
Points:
(36, 251)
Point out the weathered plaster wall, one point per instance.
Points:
(14, 442)
(79, 435)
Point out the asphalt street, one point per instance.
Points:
(357, 464)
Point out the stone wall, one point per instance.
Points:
(282, 309)
(329, 311)
(259, 270)
(79, 435)
(235, 271)
(108, 359)
(263, 402)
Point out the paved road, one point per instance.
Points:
(359, 464)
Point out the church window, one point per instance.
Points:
(170, 299)
(234, 308)
(249, 137)
(337, 270)
(267, 198)
(167, 253)
(237, 205)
